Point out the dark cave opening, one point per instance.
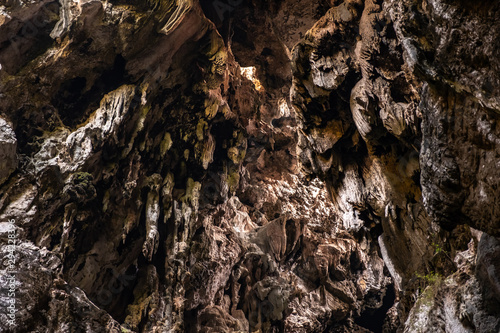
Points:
(373, 319)
(75, 100)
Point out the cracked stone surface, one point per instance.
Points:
(250, 166)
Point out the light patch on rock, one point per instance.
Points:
(389, 264)
(70, 150)
(250, 73)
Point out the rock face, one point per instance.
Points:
(250, 166)
(8, 145)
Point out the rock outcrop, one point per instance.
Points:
(249, 166)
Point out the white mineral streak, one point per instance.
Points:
(152, 216)
(388, 262)
(183, 6)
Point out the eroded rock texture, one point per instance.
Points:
(250, 166)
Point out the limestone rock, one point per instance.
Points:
(250, 166)
(8, 154)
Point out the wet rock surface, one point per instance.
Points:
(186, 166)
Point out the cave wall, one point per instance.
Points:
(250, 166)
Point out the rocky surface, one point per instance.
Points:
(249, 166)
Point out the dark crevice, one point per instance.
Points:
(373, 319)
